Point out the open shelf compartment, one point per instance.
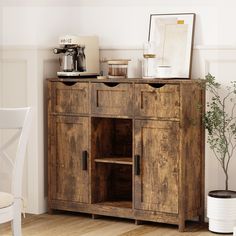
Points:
(113, 185)
(112, 140)
(112, 162)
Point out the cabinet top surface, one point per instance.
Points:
(129, 80)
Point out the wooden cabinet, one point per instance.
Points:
(129, 148)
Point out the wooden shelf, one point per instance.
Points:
(115, 160)
(121, 204)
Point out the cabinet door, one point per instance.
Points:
(69, 166)
(157, 158)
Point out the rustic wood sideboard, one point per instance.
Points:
(129, 148)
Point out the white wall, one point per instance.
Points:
(31, 27)
(117, 23)
(116, 26)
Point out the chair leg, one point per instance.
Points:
(16, 222)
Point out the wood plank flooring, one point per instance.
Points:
(67, 224)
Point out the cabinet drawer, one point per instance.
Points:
(157, 100)
(112, 99)
(71, 98)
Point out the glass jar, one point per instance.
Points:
(117, 69)
(149, 62)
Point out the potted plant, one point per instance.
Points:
(220, 123)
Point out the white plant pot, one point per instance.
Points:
(222, 214)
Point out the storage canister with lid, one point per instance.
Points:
(118, 69)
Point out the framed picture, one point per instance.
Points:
(172, 35)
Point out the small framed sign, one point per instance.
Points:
(173, 37)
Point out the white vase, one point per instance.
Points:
(222, 214)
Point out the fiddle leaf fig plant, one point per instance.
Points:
(220, 122)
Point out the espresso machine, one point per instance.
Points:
(79, 56)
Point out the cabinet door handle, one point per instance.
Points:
(111, 84)
(137, 164)
(84, 160)
(155, 85)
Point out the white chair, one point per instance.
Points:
(18, 119)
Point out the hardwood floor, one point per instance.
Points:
(77, 224)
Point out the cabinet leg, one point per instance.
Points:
(50, 211)
(202, 219)
(138, 222)
(94, 216)
(202, 216)
(182, 226)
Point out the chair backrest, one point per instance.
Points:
(18, 119)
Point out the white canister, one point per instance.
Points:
(164, 71)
